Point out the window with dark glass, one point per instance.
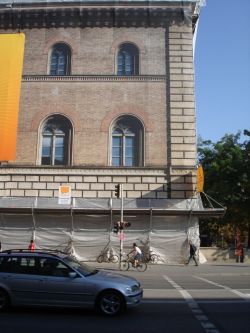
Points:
(60, 60)
(127, 135)
(128, 60)
(56, 141)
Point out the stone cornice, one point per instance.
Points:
(28, 18)
(87, 171)
(92, 78)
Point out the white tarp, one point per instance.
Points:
(86, 236)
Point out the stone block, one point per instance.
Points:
(10, 185)
(32, 178)
(133, 194)
(148, 194)
(141, 187)
(82, 186)
(76, 179)
(104, 194)
(39, 186)
(97, 186)
(90, 179)
(31, 193)
(119, 180)
(18, 178)
(46, 193)
(17, 193)
(104, 179)
(61, 179)
(24, 185)
(148, 180)
(46, 178)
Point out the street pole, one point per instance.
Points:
(121, 228)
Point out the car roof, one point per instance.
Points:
(43, 252)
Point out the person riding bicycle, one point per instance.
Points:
(136, 254)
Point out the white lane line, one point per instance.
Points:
(158, 301)
(207, 325)
(246, 297)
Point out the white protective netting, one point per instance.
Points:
(87, 235)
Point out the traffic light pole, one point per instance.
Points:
(121, 227)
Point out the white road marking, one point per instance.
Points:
(246, 297)
(208, 326)
(198, 311)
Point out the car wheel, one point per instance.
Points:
(4, 300)
(110, 303)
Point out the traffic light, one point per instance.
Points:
(118, 190)
(127, 224)
(116, 228)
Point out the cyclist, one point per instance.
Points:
(136, 254)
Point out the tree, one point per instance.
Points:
(226, 166)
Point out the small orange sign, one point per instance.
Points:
(64, 195)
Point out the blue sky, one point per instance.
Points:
(222, 68)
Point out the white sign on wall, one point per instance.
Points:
(64, 196)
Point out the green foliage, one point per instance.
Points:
(226, 166)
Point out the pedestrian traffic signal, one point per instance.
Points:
(126, 224)
(118, 190)
(116, 228)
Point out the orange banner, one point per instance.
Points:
(11, 65)
(200, 179)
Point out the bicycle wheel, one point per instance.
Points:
(141, 267)
(124, 265)
(100, 259)
(114, 258)
(154, 258)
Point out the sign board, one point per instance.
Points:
(11, 65)
(200, 179)
(64, 196)
(121, 236)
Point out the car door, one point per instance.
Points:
(59, 288)
(22, 278)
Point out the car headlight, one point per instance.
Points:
(133, 288)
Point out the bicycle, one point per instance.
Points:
(151, 257)
(104, 257)
(127, 263)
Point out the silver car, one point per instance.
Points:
(57, 279)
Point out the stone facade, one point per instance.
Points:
(93, 96)
(92, 183)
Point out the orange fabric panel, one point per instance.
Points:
(11, 65)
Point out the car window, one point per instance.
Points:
(54, 267)
(79, 266)
(19, 265)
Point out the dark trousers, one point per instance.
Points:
(192, 256)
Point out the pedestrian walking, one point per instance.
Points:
(192, 251)
(32, 246)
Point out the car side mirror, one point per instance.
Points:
(72, 275)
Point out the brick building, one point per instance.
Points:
(107, 98)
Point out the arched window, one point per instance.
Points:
(56, 141)
(127, 142)
(128, 59)
(60, 60)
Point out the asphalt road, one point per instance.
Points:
(177, 299)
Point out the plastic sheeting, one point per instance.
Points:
(86, 236)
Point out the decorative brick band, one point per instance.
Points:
(91, 78)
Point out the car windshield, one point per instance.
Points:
(80, 267)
